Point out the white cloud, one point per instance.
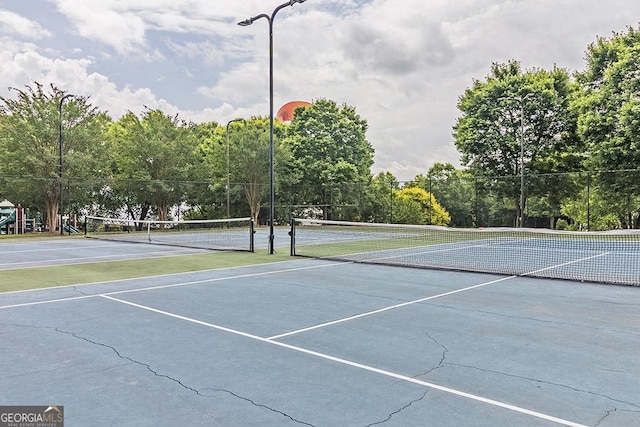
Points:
(124, 25)
(122, 30)
(205, 51)
(12, 23)
(402, 65)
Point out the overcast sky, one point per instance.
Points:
(401, 63)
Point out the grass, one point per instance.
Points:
(44, 277)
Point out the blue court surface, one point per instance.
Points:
(318, 343)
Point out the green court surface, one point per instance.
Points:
(40, 277)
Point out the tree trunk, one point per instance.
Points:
(51, 208)
(254, 196)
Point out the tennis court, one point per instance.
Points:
(315, 342)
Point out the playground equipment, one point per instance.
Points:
(13, 219)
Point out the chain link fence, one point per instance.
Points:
(575, 201)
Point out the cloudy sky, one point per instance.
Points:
(401, 63)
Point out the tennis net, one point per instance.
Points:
(601, 257)
(217, 234)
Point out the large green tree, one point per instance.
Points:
(30, 146)
(152, 155)
(609, 117)
(378, 197)
(332, 157)
(246, 163)
(511, 110)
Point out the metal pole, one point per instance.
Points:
(60, 159)
(271, 148)
(521, 162)
(271, 187)
(521, 100)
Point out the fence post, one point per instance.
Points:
(292, 235)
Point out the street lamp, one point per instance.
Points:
(245, 23)
(228, 169)
(60, 158)
(521, 99)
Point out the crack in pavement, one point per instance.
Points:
(137, 362)
(611, 411)
(605, 416)
(150, 369)
(177, 381)
(445, 350)
(259, 405)
(635, 405)
(399, 410)
(79, 291)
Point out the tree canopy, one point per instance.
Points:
(32, 125)
(569, 140)
(328, 145)
(516, 117)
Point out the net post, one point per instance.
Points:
(252, 232)
(292, 235)
(85, 226)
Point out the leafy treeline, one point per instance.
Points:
(555, 123)
(575, 134)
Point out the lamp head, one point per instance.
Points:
(246, 22)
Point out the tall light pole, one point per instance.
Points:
(521, 99)
(60, 158)
(245, 23)
(228, 168)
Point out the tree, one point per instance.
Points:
(152, 155)
(30, 145)
(417, 206)
(454, 190)
(329, 149)
(378, 198)
(590, 211)
(609, 116)
(509, 106)
(248, 166)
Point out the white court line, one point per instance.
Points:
(58, 249)
(381, 310)
(91, 260)
(567, 263)
(392, 307)
(151, 288)
(357, 365)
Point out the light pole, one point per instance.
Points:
(60, 158)
(228, 169)
(521, 99)
(245, 23)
